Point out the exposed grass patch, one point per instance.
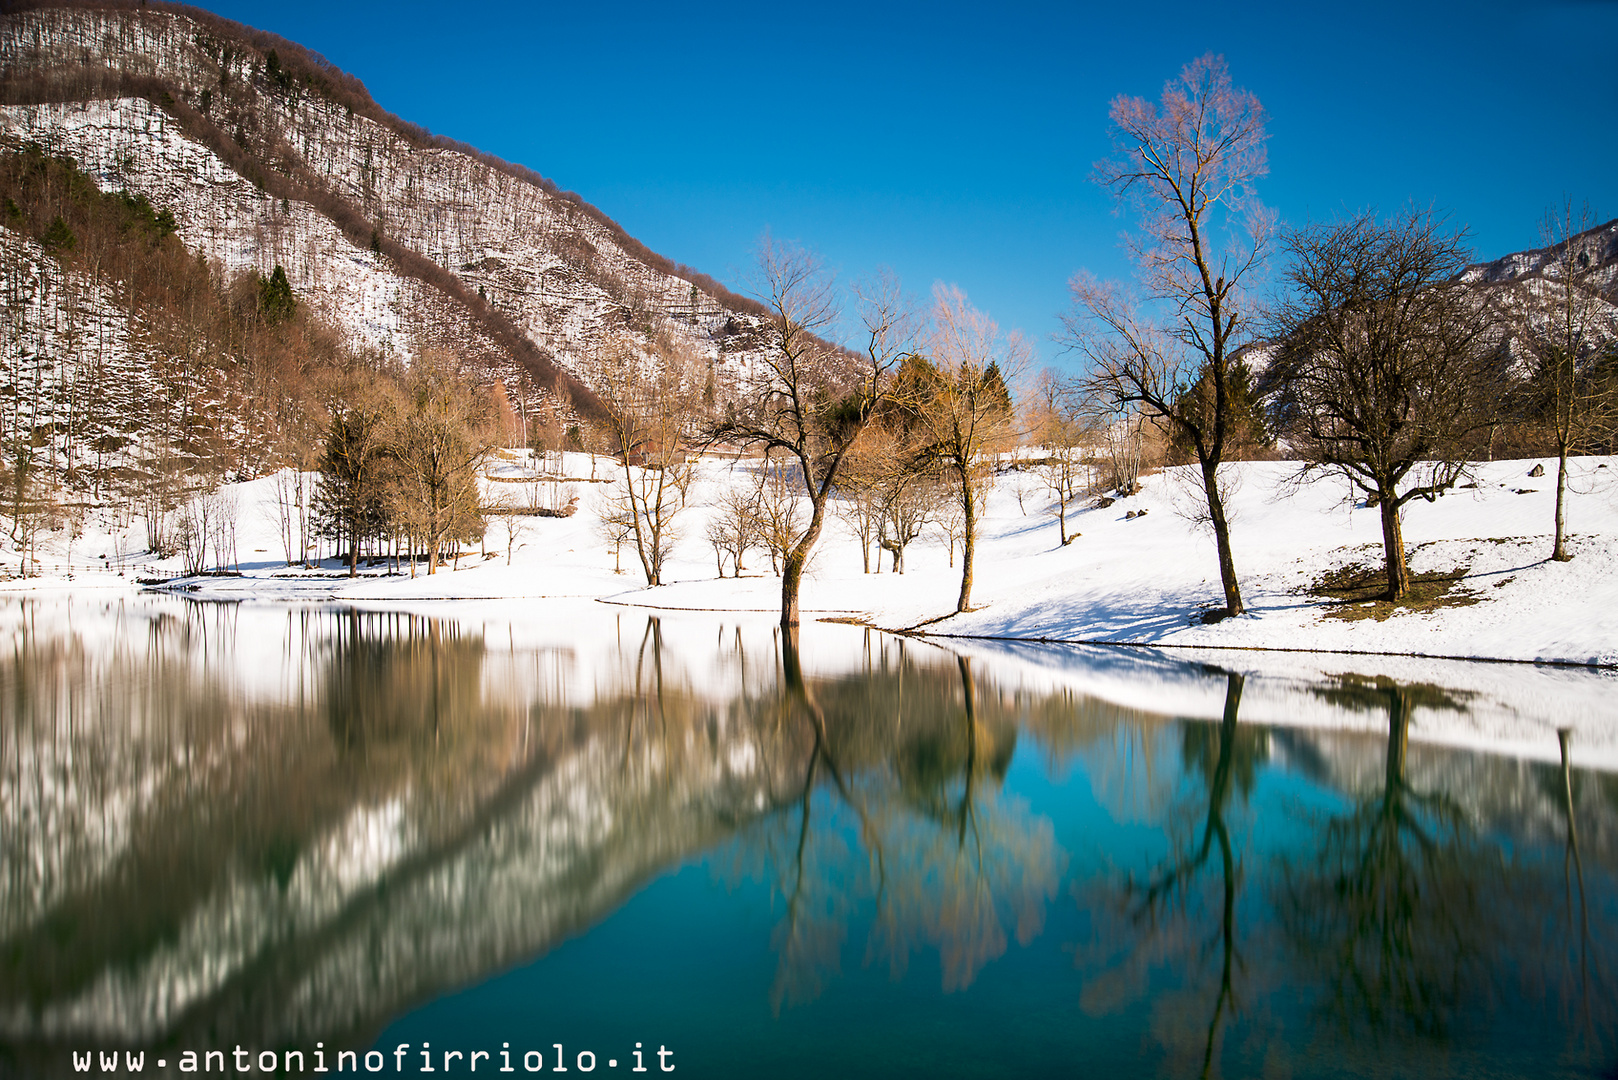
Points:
(1355, 591)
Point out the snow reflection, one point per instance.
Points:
(280, 825)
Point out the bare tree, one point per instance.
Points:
(651, 411)
(911, 499)
(964, 407)
(506, 509)
(1387, 362)
(616, 525)
(777, 510)
(350, 495)
(814, 400)
(225, 528)
(1056, 421)
(1564, 326)
(860, 489)
(951, 521)
(441, 440)
(293, 496)
(1188, 166)
(1125, 443)
(734, 527)
(207, 523)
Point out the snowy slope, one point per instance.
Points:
(546, 265)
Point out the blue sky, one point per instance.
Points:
(954, 142)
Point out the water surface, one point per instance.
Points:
(298, 828)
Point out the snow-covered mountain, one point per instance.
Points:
(1595, 252)
(266, 155)
(1575, 284)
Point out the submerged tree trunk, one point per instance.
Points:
(1393, 546)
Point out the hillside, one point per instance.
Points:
(1596, 251)
(266, 155)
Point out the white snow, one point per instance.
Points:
(1141, 581)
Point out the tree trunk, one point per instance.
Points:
(354, 554)
(969, 536)
(1393, 545)
(791, 578)
(640, 540)
(1221, 530)
(798, 557)
(1559, 550)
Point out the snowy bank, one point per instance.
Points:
(1141, 572)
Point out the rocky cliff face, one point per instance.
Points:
(266, 157)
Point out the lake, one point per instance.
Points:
(583, 836)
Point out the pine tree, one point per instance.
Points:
(275, 300)
(58, 237)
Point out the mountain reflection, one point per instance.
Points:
(1421, 916)
(277, 826)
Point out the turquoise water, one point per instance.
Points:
(301, 829)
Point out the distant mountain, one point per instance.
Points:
(265, 154)
(1596, 251)
(1527, 287)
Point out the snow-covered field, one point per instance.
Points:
(1142, 580)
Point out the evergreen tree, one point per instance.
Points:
(275, 300)
(1247, 426)
(58, 237)
(350, 500)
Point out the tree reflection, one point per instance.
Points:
(1160, 910)
(193, 849)
(901, 819)
(1401, 909)
(1577, 903)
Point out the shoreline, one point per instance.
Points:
(845, 616)
(1127, 580)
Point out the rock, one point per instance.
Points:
(1104, 502)
(1537, 470)
(1130, 516)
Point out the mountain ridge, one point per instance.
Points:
(348, 89)
(463, 250)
